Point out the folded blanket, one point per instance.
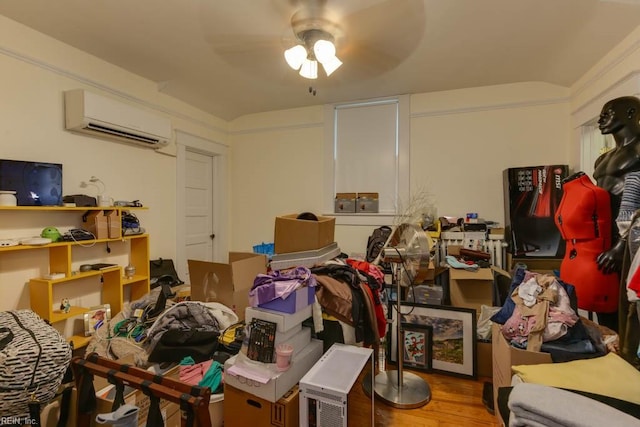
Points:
(535, 405)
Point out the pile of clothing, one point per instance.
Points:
(347, 307)
(540, 314)
(179, 330)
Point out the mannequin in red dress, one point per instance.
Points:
(584, 220)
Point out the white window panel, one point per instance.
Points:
(368, 151)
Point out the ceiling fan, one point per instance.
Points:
(370, 37)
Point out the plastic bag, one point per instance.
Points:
(484, 322)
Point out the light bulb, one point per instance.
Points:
(331, 65)
(309, 69)
(295, 56)
(324, 50)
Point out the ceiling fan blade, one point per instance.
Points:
(380, 37)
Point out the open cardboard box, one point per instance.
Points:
(297, 235)
(471, 289)
(228, 283)
(504, 357)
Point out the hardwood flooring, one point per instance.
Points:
(455, 402)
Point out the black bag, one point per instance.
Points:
(375, 243)
(163, 271)
(176, 344)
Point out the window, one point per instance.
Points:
(368, 151)
(592, 145)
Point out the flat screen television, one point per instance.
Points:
(35, 183)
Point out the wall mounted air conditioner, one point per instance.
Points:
(98, 115)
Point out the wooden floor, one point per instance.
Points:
(455, 402)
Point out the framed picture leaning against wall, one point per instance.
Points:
(453, 335)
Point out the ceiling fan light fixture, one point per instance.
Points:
(324, 50)
(309, 69)
(295, 56)
(331, 65)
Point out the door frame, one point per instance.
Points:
(220, 198)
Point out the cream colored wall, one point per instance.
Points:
(34, 72)
(616, 74)
(277, 165)
(461, 141)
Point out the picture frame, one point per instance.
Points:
(95, 317)
(417, 346)
(453, 336)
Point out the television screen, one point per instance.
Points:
(35, 183)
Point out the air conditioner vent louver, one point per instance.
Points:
(98, 128)
(97, 115)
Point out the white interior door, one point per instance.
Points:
(201, 202)
(198, 193)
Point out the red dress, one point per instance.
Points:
(584, 220)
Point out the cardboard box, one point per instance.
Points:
(97, 223)
(284, 321)
(296, 235)
(367, 203)
(216, 413)
(294, 302)
(484, 358)
(243, 409)
(345, 203)
(228, 283)
(280, 384)
(531, 197)
(114, 221)
(471, 289)
(541, 265)
(504, 357)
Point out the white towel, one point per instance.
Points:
(535, 405)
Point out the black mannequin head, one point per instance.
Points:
(620, 113)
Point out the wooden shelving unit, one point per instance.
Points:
(60, 260)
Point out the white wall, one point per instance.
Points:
(34, 72)
(461, 141)
(617, 74)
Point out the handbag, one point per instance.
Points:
(163, 271)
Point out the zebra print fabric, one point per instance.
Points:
(33, 360)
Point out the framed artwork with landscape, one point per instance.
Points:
(453, 335)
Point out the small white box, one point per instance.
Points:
(285, 321)
(298, 341)
(283, 381)
(285, 336)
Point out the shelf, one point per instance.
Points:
(77, 243)
(79, 341)
(67, 208)
(44, 293)
(76, 275)
(58, 315)
(135, 279)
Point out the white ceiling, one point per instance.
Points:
(225, 56)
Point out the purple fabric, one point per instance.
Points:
(279, 284)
